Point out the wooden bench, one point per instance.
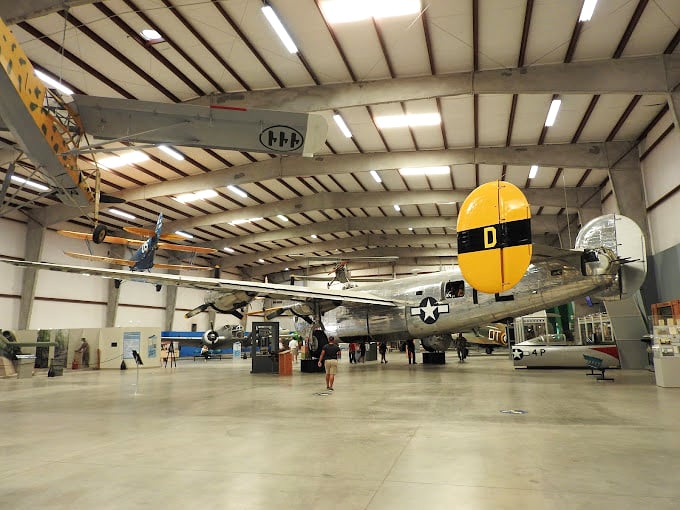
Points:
(596, 364)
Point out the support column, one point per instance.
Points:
(35, 236)
(170, 303)
(117, 251)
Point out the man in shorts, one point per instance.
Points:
(330, 353)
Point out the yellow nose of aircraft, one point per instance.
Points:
(494, 237)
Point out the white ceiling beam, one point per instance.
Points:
(656, 74)
(539, 225)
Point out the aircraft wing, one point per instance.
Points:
(182, 247)
(182, 267)
(219, 127)
(147, 232)
(271, 290)
(108, 239)
(97, 258)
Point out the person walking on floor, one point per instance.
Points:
(293, 346)
(330, 353)
(461, 348)
(382, 349)
(362, 351)
(411, 351)
(352, 352)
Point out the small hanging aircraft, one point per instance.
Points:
(143, 259)
(500, 275)
(341, 273)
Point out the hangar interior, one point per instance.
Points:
(578, 110)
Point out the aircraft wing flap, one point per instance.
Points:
(214, 284)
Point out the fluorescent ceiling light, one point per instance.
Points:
(411, 229)
(276, 24)
(151, 35)
(397, 208)
(411, 120)
(341, 124)
(426, 170)
(552, 113)
(30, 184)
(184, 234)
(587, 10)
(533, 171)
(172, 152)
(228, 250)
(261, 261)
(314, 236)
(238, 191)
(247, 220)
(122, 214)
(53, 83)
(282, 217)
(124, 159)
(198, 195)
(375, 176)
(345, 11)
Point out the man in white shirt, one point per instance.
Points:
(293, 346)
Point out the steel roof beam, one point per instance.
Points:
(656, 74)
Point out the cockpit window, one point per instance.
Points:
(454, 289)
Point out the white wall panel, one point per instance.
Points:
(130, 316)
(61, 315)
(9, 313)
(663, 225)
(13, 235)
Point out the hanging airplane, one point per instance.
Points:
(49, 129)
(143, 259)
(500, 275)
(341, 273)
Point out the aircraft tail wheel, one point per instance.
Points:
(99, 234)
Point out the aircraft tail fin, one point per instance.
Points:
(613, 242)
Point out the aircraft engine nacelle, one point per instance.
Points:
(436, 343)
(227, 302)
(223, 335)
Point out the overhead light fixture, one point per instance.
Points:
(281, 217)
(228, 250)
(276, 24)
(397, 208)
(341, 124)
(410, 120)
(286, 269)
(122, 214)
(411, 229)
(552, 112)
(314, 236)
(533, 171)
(345, 11)
(171, 152)
(261, 261)
(587, 10)
(198, 195)
(151, 35)
(184, 234)
(30, 184)
(426, 170)
(53, 83)
(124, 159)
(238, 191)
(375, 176)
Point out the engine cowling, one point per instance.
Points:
(436, 343)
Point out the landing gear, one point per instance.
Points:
(489, 350)
(99, 234)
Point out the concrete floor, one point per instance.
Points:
(213, 436)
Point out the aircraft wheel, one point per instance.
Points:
(489, 350)
(99, 234)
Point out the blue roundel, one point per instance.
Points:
(282, 139)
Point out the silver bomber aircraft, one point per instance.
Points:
(608, 262)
